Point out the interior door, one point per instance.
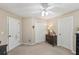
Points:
(14, 32)
(65, 32)
(40, 29)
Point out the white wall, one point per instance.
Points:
(27, 31)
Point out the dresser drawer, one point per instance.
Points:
(51, 40)
(77, 44)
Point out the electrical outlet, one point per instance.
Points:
(2, 33)
(29, 40)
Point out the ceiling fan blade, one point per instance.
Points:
(36, 12)
(44, 5)
(51, 7)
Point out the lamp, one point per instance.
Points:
(50, 30)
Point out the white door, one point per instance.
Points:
(65, 32)
(14, 32)
(40, 29)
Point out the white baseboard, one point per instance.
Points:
(29, 43)
(74, 52)
(33, 43)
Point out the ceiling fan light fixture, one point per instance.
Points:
(44, 13)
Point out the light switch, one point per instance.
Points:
(2, 33)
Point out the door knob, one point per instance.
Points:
(59, 34)
(9, 36)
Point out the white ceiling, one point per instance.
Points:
(35, 9)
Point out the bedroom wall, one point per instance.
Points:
(27, 31)
(75, 15)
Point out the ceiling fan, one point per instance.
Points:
(46, 8)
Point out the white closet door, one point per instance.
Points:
(40, 29)
(65, 32)
(14, 32)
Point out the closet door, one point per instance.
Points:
(65, 32)
(14, 32)
(40, 29)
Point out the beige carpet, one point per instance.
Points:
(40, 49)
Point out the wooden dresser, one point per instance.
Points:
(3, 49)
(51, 40)
(77, 44)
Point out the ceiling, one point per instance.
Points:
(35, 9)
